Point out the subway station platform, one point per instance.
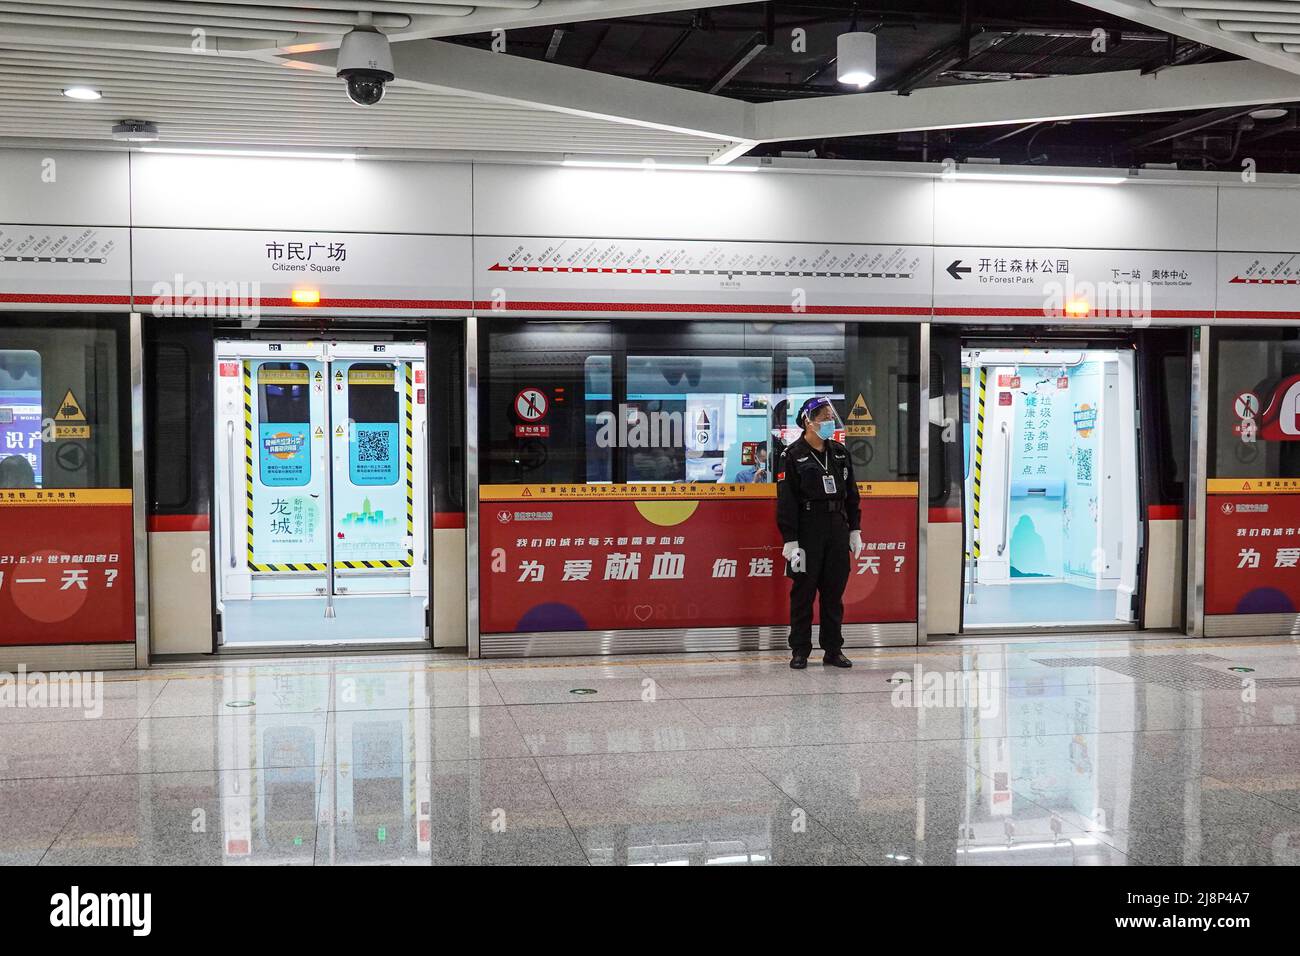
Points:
(1079, 752)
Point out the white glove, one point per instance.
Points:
(794, 554)
(855, 542)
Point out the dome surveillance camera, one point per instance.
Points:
(365, 63)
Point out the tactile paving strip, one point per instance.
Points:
(1173, 669)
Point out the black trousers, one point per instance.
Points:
(824, 537)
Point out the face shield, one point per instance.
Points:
(820, 411)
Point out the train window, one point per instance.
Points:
(20, 418)
(598, 382)
(697, 413)
(63, 395)
(675, 402)
(169, 423)
(285, 401)
(374, 411)
(542, 386)
(1176, 410)
(1255, 403)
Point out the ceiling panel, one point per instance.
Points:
(208, 72)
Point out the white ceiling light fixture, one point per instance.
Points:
(256, 153)
(651, 165)
(855, 58)
(1268, 113)
(82, 93)
(993, 175)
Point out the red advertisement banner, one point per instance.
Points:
(1252, 554)
(615, 564)
(66, 571)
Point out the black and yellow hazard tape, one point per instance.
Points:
(371, 565)
(249, 446)
(977, 471)
(410, 464)
(249, 452)
(409, 444)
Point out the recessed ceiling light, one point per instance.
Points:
(82, 93)
(1268, 113)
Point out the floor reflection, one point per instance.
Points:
(1009, 754)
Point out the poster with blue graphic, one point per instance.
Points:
(284, 454)
(20, 434)
(287, 507)
(372, 512)
(375, 455)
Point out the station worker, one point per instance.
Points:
(818, 513)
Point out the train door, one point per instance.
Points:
(1051, 486)
(320, 491)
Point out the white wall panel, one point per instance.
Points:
(1126, 216)
(242, 192)
(1259, 219)
(64, 187)
(684, 204)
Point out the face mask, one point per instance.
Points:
(826, 429)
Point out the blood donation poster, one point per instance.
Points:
(66, 567)
(596, 557)
(1252, 547)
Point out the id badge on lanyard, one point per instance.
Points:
(828, 484)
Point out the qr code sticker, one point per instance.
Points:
(372, 446)
(1084, 469)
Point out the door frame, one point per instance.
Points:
(325, 346)
(1111, 339)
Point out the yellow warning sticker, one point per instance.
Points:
(70, 411)
(370, 376)
(860, 423)
(660, 492)
(281, 376)
(1246, 486)
(66, 496)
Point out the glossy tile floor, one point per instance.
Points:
(1022, 603)
(1089, 752)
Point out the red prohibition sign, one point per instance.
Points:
(530, 405)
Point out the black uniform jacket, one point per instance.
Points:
(799, 475)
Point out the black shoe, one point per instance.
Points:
(836, 659)
(798, 660)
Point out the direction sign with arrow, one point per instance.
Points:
(956, 268)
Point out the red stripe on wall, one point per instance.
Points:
(1236, 314)
(166, 523)
(721, 307)
(280, 303)
(1164, 512)
(1041, 313)
(51, 299)
(179, 523)
(945, 516)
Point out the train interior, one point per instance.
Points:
(1051, 488)
(321, 492)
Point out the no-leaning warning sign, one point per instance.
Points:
(70, 422)
(531, 405)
